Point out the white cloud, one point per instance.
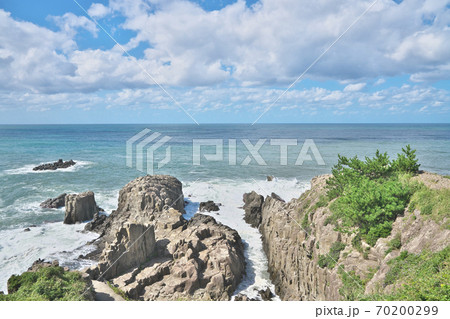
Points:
(354, 87)
(98, 10)
(271, 43)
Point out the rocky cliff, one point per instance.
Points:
(150, 252)
(298, 235)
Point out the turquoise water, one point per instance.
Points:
(100, 153)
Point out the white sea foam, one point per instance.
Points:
(229, 194)
(108, 200)
(19, 249)
(28, 169)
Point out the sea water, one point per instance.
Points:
(100, 153)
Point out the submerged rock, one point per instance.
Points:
(54, 166)
(80, 208)
(208, 206)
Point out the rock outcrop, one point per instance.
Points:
(208, 206)
(80, 208)
(198, 259)
(54, 166)
(297, 233)
(252, 206)
(133, 246)
(56, 202)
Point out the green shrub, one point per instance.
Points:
(329, 260)
(322, 202)
(371, 193)
(406, 162)
(49, 283)
(394, 244)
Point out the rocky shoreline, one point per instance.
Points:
(148, 251)
(296, 234)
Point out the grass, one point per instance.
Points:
(434, 203)
(118, 291)
(423, 277)
(47, 284)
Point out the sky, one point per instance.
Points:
(224, 61)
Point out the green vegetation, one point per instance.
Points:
(432, 202)
(305, 224)
(322, 202)
(422, 277)
(353, 286)
(371, 194)
(395, 243)
(48, 283)
(329, 260)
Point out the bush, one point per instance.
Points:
(329, 260)
(406, 162)
(48, 283)
(371, 193)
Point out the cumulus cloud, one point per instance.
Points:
(354, 87)
(98, 11)
(239, 49)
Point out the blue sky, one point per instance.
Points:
(224, 61)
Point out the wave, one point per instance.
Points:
(28, 169)
(229, 193)
(19, 249)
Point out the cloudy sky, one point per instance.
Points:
(179, 61)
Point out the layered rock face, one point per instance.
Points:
(79, 208)
(198, 259)
(293, 244)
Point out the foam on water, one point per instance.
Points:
(19, 249)
(229, 194)
(28, 169)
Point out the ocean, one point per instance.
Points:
(218, 162)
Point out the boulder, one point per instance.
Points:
(269, 178)
(57, 202)
(252, 207)
(208, 206)
(54, 166)
(79, 208)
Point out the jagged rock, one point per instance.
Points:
(57, 202)
(208, 206)
(79, 208)
(275, 196)
(54, 166)
(242, 297)
(269, 178)
(266, 294)
(252, 207)
(96, 223)
(27, 229)
(198, 259)
(293, 251)
(133, 246)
